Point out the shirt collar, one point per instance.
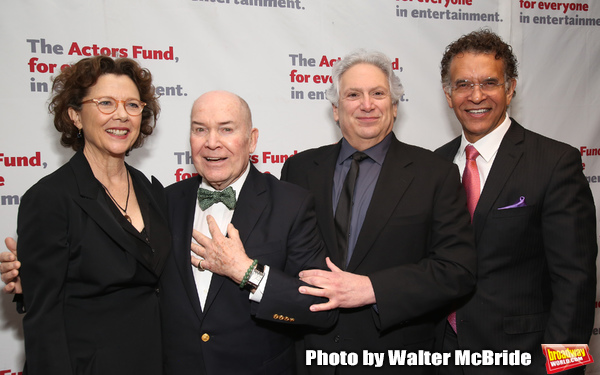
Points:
(237, 185)
(376, 153)
(489, 144)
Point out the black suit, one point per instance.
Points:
(89, 286)
(415, 245)
(536, 264)
(233, 335)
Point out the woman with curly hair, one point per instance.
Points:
(93, 235)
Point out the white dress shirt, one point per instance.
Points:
(487, 147)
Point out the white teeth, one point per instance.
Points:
(213, 159)
(483, 110)
(117, 132)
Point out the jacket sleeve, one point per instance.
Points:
(569, 237)
(447, 272)
(305, 250)
(44, 255)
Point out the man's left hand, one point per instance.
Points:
(343, 289)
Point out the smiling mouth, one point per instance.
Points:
(214, 159)
(368, 119)
(478, 111)
(117, 132)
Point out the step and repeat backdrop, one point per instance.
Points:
(277, 54)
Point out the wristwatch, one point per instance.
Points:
(255, 278)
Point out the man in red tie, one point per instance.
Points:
(532, 212)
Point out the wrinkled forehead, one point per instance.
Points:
(215, 113)
(219, 109)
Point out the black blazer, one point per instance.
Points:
(415, 245)
(92, 306)
(277, 224)
(536, 264)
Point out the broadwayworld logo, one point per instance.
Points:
(567, 356)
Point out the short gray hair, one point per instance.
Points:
(362, 56)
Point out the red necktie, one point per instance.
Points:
(470, 181)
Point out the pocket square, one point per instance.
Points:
(520, 203)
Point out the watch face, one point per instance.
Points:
(256, 277)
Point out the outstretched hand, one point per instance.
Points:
(343, 289)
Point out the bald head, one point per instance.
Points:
(222, 137)
(224, 103)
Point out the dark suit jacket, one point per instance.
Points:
(92, 306)
(536, 264)
(415, 245)
(277, 225)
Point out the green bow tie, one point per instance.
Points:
(207, 198)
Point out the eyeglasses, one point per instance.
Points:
(108, 105)
(466, 86)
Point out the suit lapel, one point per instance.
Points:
(509, 154)
(93, 202)
(320, 182)
(156, 223)
(252, 201)
(394, 178)
(182, 205)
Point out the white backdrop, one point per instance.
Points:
(277, 55)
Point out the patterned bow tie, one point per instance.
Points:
(207, 198)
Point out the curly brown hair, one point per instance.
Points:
(480, 41)
(74, 82)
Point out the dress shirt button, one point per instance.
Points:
(157, 290)
(205, 337)
(336, 339)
